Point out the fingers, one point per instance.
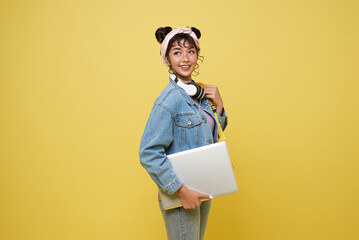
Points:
(211, 92)
(210, 87)
(191, 205)
(197, 201)
(190, 198)
(205, 196)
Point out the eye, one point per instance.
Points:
(191, 51)
(176, 53)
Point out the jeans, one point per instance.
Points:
(186, 224)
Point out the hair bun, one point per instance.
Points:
(197, 32)
(161, 33)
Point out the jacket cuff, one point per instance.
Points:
(223, 119)
(173, 186)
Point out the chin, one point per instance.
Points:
(183, 76)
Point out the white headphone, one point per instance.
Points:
(192, 88)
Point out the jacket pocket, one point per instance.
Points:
(187, 130)
(187, 120)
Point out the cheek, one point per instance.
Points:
(174, 59)
(194, 58)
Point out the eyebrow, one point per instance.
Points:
(178, 48)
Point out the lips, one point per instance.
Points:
(185, 67)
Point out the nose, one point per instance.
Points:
(185, 57)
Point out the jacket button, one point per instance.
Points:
(210, 140)
(205, 121)
(196, 107)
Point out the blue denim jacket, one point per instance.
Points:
(175, 124)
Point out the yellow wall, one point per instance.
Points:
(77, 82)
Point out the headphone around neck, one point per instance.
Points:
(192, 89)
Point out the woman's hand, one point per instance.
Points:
(189, 198)
(213, 94)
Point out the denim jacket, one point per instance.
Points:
(175, 124)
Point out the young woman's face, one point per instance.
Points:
(183, 60)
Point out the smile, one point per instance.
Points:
(185, 67)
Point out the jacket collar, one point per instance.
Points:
(183, 93)
(205, 104)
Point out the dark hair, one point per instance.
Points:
(162, 32)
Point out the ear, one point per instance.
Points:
(168, 60)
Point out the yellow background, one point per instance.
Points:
(77, 82)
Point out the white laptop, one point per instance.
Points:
(206, 169)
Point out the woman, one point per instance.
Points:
(180, 122)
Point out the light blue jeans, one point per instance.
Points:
(186, 224)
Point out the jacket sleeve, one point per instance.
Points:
(158, 135)
(223, 120)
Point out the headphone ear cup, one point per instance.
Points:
(191, 89)
(202, 93)
(199, 93)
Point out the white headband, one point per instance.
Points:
(170, 35)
